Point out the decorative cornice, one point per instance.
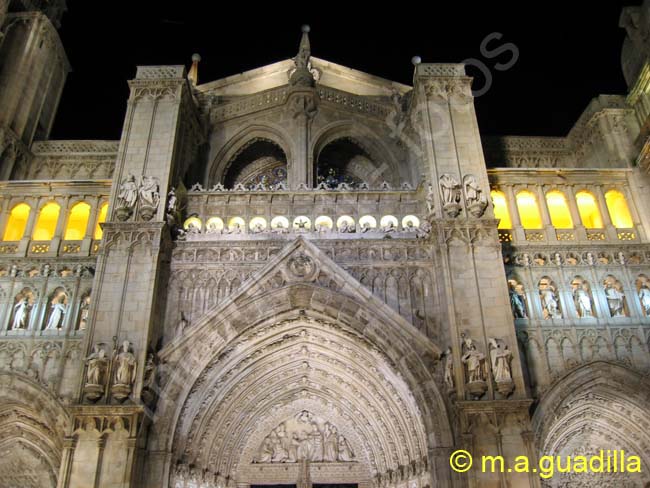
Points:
(75, 147)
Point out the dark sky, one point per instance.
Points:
(569, 51)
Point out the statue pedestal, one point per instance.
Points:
(477, 388)
(121, 392)
(93, 392)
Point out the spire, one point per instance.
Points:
(301, 75)
(193, 75)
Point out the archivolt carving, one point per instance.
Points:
(269, 353)
(602, 406)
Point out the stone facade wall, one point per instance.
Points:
(212, 334)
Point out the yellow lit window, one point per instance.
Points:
(558, 209)
(501, 209)
(77, 222)
(528, 210)
(618, 210)
(46, 223)
(589, 212)
(100, 220)
(17, 222)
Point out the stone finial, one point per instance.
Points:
(193, 75)
(302, 75)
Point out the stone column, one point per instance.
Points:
(301, 107)
(475, 290)
(129, 289)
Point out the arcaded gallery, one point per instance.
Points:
(305, 275)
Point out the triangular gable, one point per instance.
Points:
(274, 75)
(299, 262)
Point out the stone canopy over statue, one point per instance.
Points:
(305, 437)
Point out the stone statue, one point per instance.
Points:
(266, 451)
(125, 365)
(56, 316)
(128, 193)
(389, 227)
(211, 228)
(21, 314)
(258, 228)
(97, 364)
(366, 227)
(644, 297)
(500, 357)
(615, 299)
(517, 302)
(450, 189)
(550, 303)
(192, 229)
(330, 443)
(473, 361)
(149, 195)
(346, 227)
(449, 369)
(84, 311)
(410, 226)
(475, 372)
(345, 451)
(430, 199)
(474, 197)
(172, 201)
(582, 300)
(423, 231)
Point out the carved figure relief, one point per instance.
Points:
(500, 357)
(615, 296)
(450, 191)
(475, 373)
(474, 196)
(549, 299)
(304, 437)
(125, 367)
(517, 299)
(582, 298)
(96, 370)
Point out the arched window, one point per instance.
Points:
(103, 211)
(46, 223)
(558, 209)
(15, 229)
(589, 212)
(75, 230)
(618, 210)
(501, 209)
(528, 210)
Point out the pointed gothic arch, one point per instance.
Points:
(285, 343)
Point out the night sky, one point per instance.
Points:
(569, 52)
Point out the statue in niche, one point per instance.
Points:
(235, 228)
(450, 191)
(148, 190)
(258, 228)
(172, 201)
(548, 297)
(389, 227)
(212, 228)
(57, 313)
(615, 297)
(96, 371)
(192, 229)
(500, 357)
(449, 369)
(410, 226)
(582, 298)
(474, 362)
(21, 313)
(347, 227)
(84, 311)
(644, 297)
(127, 196)
(474, 197)
(366, 227)
(125, 367)
(517, 300)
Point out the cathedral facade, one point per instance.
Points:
(309, 275)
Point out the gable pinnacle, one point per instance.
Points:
(302, 75)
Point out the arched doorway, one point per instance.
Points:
(32, 426)
(598, 407)
(301, 365)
